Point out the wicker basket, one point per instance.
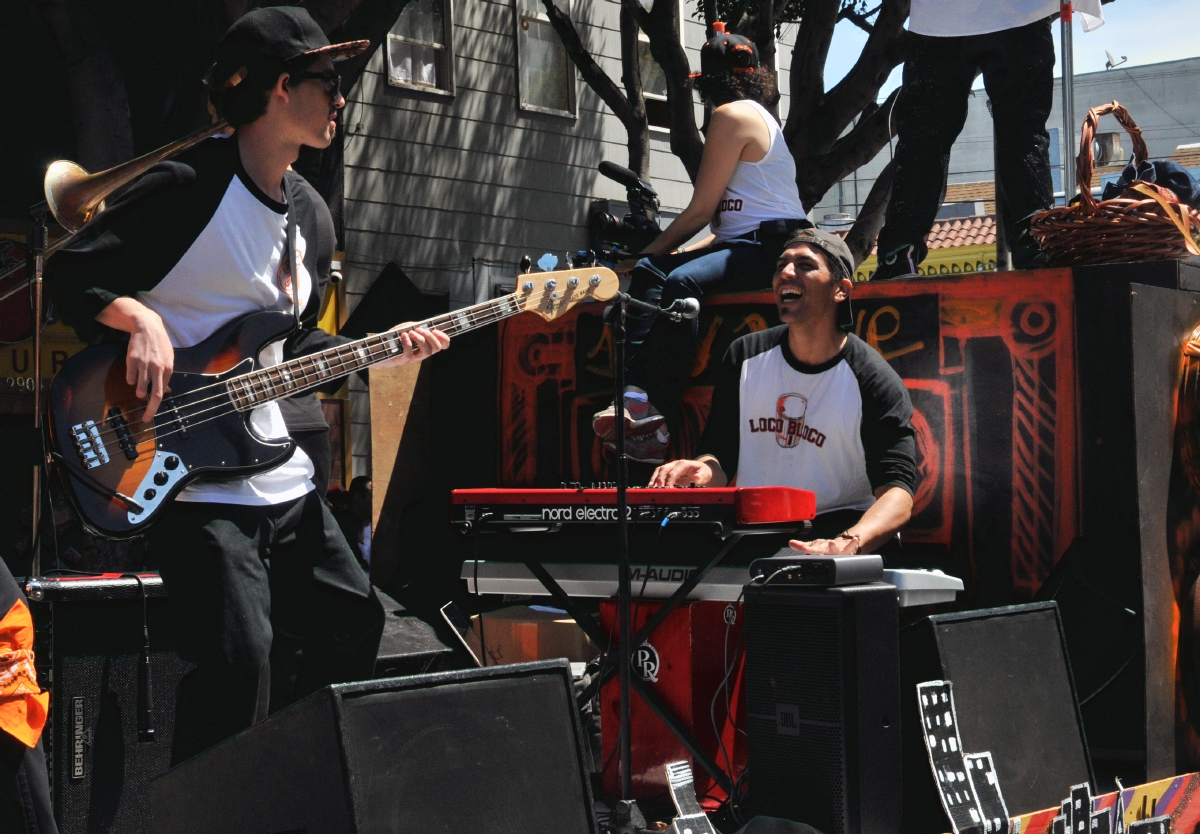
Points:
(1144, 224)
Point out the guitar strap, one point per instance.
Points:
(289, 190)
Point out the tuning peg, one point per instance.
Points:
(526, 263)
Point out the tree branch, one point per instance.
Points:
(859, 20)
(638, 126)
(661, 26)
(883, 51)
(865, 231)
(593, 74)
(808, 69)
(816, 173)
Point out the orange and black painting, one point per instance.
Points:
(989, 362)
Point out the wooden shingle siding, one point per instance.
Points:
(434, 182)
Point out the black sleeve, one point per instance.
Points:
(129, 247)
(721, 437)
(887, 435)
(303, 412)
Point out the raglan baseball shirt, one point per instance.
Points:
(200, 244)
(841, 428)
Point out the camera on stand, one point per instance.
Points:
(617, 238)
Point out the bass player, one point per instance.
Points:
(266, 597)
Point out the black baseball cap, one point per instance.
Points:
(837, 256)
(273, 36)
(726, 53)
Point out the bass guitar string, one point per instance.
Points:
(433, 322)
(483, 315)
(478, 316)
(224, 405)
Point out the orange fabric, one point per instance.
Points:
(23, 705)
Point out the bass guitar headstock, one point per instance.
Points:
(550, 294)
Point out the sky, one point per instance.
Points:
(1147, 31)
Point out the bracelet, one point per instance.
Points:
(854, 537)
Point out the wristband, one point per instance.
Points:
(854, 537)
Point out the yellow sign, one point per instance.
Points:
(952, 261)
(16, 360)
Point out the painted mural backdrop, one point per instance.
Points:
(989, 363)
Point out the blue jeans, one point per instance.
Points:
(660, 352)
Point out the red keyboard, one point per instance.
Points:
(731, 506)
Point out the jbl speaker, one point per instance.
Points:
(88, 643)
(1014, 697)
(823, 706)
(488, 751)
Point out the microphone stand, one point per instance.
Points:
(623, 302)
(34, 261)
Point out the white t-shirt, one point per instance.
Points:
(957, 18)
(239, 261)
(841, 429)
(758, 191)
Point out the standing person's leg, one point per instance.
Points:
(211, 560)
(1018, 74)
(929, 115)
(326, 618)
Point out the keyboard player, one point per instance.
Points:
(809, 405)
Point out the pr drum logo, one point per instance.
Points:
(646, 662)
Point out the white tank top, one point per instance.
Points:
(758, 191)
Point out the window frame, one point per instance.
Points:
(644, 38)
(519, 15)
(449, 90)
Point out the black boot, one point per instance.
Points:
(899, 263)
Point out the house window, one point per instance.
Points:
(654, 79)
(654, 86)
(546, 77)
(420, 54)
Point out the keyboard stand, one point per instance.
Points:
(609, 659)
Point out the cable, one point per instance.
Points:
(145, 707)
(1156, 104)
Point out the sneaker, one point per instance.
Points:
(902, 263)
(640, 418)
(644, 448)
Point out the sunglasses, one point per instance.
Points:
(331, 78)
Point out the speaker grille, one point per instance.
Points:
(795, 699)
(98, 770)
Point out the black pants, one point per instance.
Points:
(1018, 76)
(24, 781)
(270, 605)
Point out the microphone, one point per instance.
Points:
(684, 308)
(623, 176)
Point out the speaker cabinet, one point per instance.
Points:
(1014, 696)
(484, 750)
(88, 642)
(823, 706)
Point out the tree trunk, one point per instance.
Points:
(637, 126)
(99, 102)
(662, 28)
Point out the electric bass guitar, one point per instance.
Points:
(121, 472)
